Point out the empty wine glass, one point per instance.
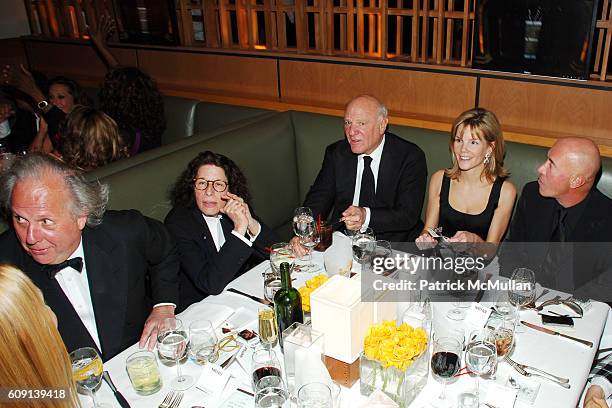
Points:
(521, 290)
(202, 342)
(364, 243)
(87, 369)
(481, 356)
(304, 226)
(315, 395)
(172, 344)
(445, 363)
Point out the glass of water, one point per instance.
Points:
(202, 342)
(364, 243)
(314, 395)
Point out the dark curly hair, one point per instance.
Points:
(89, 139)
(183, 194)
(132, 98)
(74, 89)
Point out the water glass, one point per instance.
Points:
(143, 372)
(272, 397)
(315, 395)
(87, 369)
(202, 342)
(172, 344)
(481, 355)
(271, 286)
(363, 245)
(279, 253)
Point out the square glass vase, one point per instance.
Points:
(401, 386)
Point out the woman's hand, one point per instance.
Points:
(105, 27)
(236, 210)
(425, 241)
(22, 79)
(465, 236)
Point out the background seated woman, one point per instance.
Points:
(33, 355)
(472, 201)
(218, 238)
(89, 139)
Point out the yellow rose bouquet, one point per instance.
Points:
(311, 285)
(391, 361)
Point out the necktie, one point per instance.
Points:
(367, 193)
(52, 270)
(560, 232)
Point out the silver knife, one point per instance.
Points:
(556, 333)
(255, 298)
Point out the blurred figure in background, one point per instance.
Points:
(89, 139)
(33, 355)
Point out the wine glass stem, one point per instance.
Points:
(443, 393)
(477, 387)
(310, 257)
(93, 397)
(179, 377)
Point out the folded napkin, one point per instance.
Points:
(500, 396)
(338, 258)
(214, 312)
(379, 399)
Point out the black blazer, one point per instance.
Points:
(400, 191)
(204, 271)
(587, 249)
(132, 264)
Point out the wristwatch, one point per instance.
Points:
(42, 104)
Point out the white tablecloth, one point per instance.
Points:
(554, 354)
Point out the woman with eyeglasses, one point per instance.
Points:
(217, 235)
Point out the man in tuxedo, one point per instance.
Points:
(110, 277)
(372, 178)
(562, 227)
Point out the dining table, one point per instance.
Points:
(553, 354)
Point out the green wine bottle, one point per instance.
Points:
(287, 303)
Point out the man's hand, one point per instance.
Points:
(149, 333)
(354, 217)
(595, 398)
(22, 79)
(298, 249)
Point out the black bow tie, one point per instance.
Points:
(52, 270)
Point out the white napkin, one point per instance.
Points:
(500, 396)
(379, 399)
(214, 312)
(338, 258)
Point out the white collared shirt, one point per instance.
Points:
(376, 155)
(76, 287)
(214, 226)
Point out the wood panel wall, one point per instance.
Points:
(549, 110)
(13, 52)
(406, 93)
(209, 73)
(530, 112)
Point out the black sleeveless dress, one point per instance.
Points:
(452, 220)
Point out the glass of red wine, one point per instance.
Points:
(445, 363)
(265, 369)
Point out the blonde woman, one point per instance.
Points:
(472, 201)
(32, 355)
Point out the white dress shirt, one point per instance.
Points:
(214, 225)
(376, 155)
(76, 287)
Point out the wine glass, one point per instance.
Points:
(314, 395)
(521, 289)
(268, 330)
(364, 243)
(202, 342)
(87, 369)
(503, 338)
(279, 253)
(481, 356)
(445, 363)
(305, 228)
(265, 369)
(172, 344)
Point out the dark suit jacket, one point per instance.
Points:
(586, 255)
(132, 264)
(402, 179)
(204, 271)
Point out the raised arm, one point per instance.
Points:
(99, 34)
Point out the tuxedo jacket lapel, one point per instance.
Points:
(384, 188)
(107, 286)
(346, 178)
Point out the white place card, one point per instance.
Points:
(238, 399)
(477, 315)
(213, 380)
(500, 396)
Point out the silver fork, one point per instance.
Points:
(522, 371)
(166, 402)
(524, 367)
(177, 400)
